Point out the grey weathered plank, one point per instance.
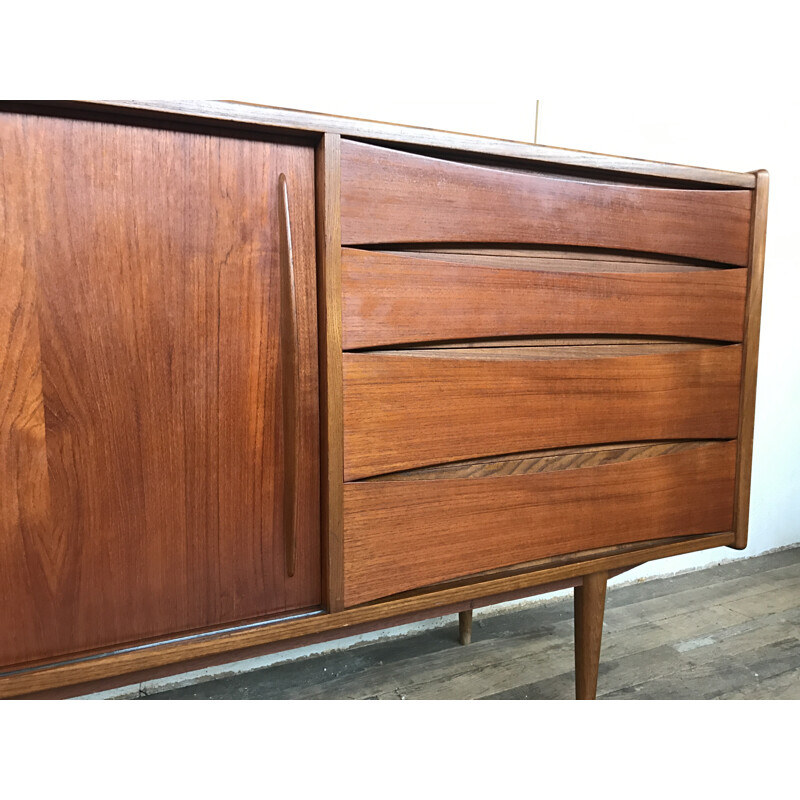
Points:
(740, 591)
(783, 686)
(730, 631)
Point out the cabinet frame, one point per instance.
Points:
(101, 670)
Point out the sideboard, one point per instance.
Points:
(270, 378)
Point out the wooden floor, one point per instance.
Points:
(731, 631)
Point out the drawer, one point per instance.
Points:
(391, 298)
(405, 534)
(393, 196)
(612, 420)
(404, 410)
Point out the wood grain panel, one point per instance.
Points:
(30, 559)
(747, 413)
(395, 299)
(391, 196)
(403, 411)
(402, 535)
(329, 249)
(156, 264)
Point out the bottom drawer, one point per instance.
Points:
(403, 534)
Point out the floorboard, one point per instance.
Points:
(727, 632)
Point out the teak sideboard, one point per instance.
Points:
(269, 378)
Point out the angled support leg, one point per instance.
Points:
(465, 627)
(590, 603)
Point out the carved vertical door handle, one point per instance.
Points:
(290, 378)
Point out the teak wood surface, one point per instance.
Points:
(389, 298)
(329, 249)
(406, 410)
(459, 526)
(142, 418)
(747, 411)
(590, 603)
(384, 190)
(141, 434)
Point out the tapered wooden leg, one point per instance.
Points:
(465, 627)
(590, 603)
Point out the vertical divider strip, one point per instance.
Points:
(329, 294)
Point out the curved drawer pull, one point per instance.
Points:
(290, 379)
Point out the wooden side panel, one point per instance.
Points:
(403, 535)
(156, 263)
(406, 411)
(394, 299)
(391, 196)
(747, 413)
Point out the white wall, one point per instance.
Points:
(738, 137)
(484, 118)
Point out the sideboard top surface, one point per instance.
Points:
(220, 112)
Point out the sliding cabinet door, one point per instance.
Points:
(159, 463)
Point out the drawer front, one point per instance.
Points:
(395, 298)
(392, 196)
(403, 534)
(404, 411)
(559, 365)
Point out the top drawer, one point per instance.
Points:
(390, 196)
